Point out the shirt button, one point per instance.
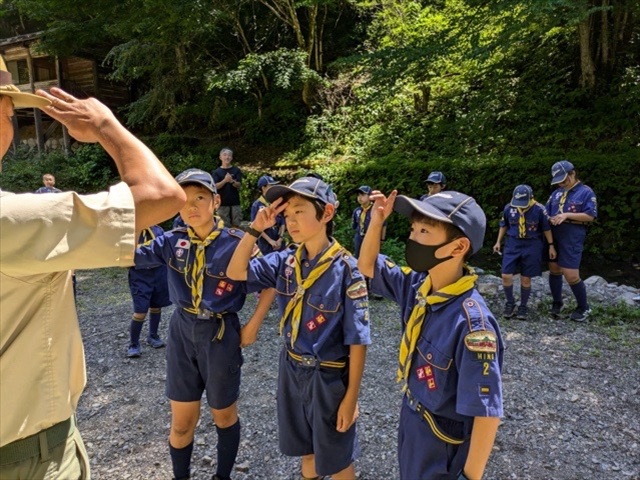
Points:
(429, 356)
(222, 274)
(306, 264)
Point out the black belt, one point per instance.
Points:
(431, 421)
(38, 444)
(312, 362)
(204, 314)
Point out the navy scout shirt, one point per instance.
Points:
(447, 377)
(536, 221)
(174, 249)
(335, 312)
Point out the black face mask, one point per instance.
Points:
(422, 258)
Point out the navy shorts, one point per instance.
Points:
(523, 256)
(149, 289)
(198, 362)
(308, 400)
(569, 242)
(423, 455)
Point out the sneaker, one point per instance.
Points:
(523, 312)
(155, 341)
(509, 310)
(134, 350)
(556, 308)
(580, 314)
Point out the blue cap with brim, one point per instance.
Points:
(198, 177)
(366, 189)
(560, 170)
(522, 195)
(265, 180)
(449, 207)
(309, 187)
(437, 177)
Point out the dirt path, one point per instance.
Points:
(571, 399)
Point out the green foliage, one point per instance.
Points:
(89, 169)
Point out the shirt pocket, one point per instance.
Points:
(177, 265)
(324, 304)
(436, 370)
(285, 286)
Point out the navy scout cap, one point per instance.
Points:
(197, 176)
(265, 180)
(522, 195)
(437, 177)
(309, 187)
(560, 170)
(449, 207)
(366, 189)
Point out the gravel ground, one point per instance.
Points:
(572, 403)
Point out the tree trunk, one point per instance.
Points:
(587, 67)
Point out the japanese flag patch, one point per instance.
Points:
(183, 243)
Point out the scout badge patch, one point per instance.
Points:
(357, 290)
(481, 341)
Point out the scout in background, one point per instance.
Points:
(436, 182)
(322, 298)
(204, 343)
(450, 358)
(571, 207)
(524, 221)
(150, 293)
(361, 217)
(271, 239)
(49, 184)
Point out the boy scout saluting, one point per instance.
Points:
(451, 351)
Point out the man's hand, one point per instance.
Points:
(496, 248)
(84, 118)
(228, 178)
(266, 217)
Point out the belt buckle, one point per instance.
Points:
(204, 314)
(308, 361)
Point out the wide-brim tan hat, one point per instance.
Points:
(19, 99)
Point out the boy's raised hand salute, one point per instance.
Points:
(382, 205)
(266, 217)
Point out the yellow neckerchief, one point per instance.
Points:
(146, 237)
(363, 217)
(418, 314)
(294, 307)
(522, 225)
(563, 198)
(197, 267)
(263, 201)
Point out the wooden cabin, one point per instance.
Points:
(82, 77)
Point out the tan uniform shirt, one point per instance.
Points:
(42, 237)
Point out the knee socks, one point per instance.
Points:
(555, 285)
(524, 296)
(134, 331)
(508, 293)
(154, 322)
(181, 461)
(579, 290)
(228, 443)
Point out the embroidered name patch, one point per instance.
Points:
(481, 341)
(357, 290)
